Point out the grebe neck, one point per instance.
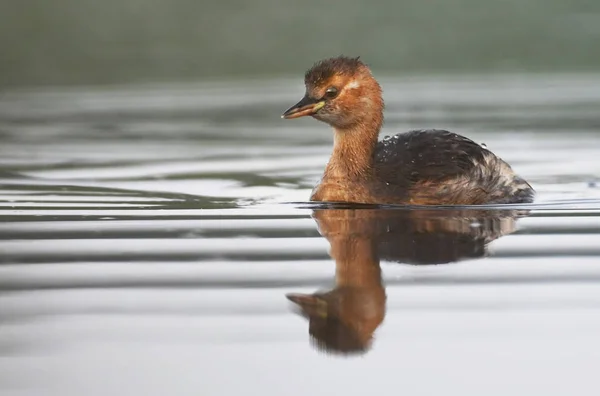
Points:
(353, 149)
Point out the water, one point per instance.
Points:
(154, 240)
(87, 41)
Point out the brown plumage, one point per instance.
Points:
(425, 167)
(346, 318)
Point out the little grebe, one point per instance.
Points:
(424, 167)
(345, 319)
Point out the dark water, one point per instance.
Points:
(90, 41)
(156, 240)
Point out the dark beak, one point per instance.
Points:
(310, 304)
(306, 106)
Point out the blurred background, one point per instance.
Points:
(149, 225)
(119, 41)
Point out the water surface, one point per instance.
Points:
(157, 240)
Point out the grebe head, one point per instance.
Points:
(341, 92)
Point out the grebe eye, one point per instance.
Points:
(331, 92)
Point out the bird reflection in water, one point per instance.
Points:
(343, 320)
